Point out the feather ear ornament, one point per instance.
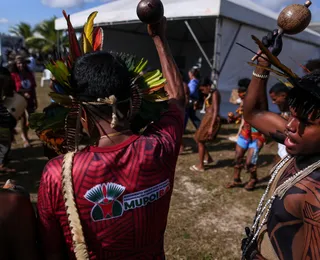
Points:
(148, 97)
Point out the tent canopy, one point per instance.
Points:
(244, 11)
(315, 26)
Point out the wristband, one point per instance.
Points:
(260, 76)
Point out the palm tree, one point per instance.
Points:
(22, 30)
(45, 37)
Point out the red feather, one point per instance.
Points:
(97, 39)
(69, 62)
(73, 42)
(303, 67)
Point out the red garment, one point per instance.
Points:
(129, 225)
(31, 90)
(249, 134)
(246, 131)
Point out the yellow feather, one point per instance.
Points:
(279, 73)
(88, 33)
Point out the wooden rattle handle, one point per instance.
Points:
(307, 3)
(280, 32)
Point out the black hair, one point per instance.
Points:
(243, 85)
(195, 71)
(183, 75)
(313, 65)
(205, 82)
(100, 75)
(13, 67)
(305, 97)
(279, 88)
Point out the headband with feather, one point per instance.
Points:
(148, 97)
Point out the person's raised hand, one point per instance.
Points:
(273, 41)
(158, 29)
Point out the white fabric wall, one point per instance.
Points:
(236, 66)
(142, 45)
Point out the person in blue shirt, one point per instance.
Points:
(193, 85)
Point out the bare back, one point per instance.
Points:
(17, 227)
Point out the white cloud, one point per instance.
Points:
(64, 3)
(276, 5)
(3, 20)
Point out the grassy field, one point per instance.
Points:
(206, 221)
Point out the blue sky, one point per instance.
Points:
(34, 11)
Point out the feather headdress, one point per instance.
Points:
(148, 97)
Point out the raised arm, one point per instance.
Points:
(256, 106)
(174, 86)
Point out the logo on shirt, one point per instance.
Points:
(107, 198)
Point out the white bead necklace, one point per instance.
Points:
(279, 192)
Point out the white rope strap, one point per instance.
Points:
(79, 244)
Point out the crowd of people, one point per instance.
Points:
(111, 199)
(17, 80)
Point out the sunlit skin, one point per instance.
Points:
(203, 152)
(293, 236)
(302, 134)
(280, 100)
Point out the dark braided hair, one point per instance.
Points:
(305, 97)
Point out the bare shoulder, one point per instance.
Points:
(13, 202)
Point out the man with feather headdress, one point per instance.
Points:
(286, 225)
(122, 182)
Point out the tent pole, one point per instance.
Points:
(198, 43)
(216, 53)
(58, 42)
(230, 48)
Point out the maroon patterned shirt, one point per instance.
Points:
(122, 193)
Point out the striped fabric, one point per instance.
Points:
(122, 194)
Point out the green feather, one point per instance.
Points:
(61, 99)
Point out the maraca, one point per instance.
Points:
(293, 19)
(150, 11)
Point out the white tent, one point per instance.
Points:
(203, 28)
(315, 26)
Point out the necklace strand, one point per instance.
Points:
(115, 134)
(279, 192)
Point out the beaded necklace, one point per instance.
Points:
(264, 208)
